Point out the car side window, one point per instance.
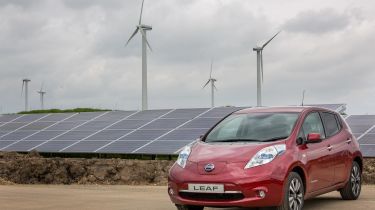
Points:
(313, 124)
(330, 123)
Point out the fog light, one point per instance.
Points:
(261, 194)
(171, 191)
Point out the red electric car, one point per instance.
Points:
(268, 157)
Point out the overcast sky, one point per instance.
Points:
(76, 48)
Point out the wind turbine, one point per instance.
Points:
(143, 29)
(259, 51)
(213, 87)
(41, 93)
(25, 84)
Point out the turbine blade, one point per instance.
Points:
(140, 16)
(131, 37)
(208, 81)
(41, 87)
(261, 64)
(144, 36)
(215, 87)
(265, 44)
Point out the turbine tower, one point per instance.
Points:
(259, 51)
(213, 87)
(25, 85)
(41, 93)
(143, 30)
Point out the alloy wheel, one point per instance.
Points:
(355, 179)
(295, 194)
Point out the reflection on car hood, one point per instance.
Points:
(226, 152)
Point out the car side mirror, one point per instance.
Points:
(313, 138)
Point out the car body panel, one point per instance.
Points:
(325, 165)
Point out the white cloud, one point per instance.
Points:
(77, 49)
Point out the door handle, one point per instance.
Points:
(329, 148)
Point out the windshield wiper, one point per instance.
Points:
(235, 140)
(276, 138)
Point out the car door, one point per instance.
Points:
(318, 155)
(339, 140)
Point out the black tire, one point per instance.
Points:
(294, 193)
(353, 187)
(186, 207)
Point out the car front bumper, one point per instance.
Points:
(242, 187)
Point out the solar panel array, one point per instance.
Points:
(142, 132)
(363, 127)
(138, 132)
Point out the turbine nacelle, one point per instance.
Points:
(144, 27)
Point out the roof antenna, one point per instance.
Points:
(303, 97)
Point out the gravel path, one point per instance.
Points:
(95, 197)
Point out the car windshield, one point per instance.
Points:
(259, 127)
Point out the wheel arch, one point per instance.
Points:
(359, 160)
(301, 172)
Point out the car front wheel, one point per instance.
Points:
(294, 193)
(186, 207)
(352, 189)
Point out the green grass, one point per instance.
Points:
(63, 110)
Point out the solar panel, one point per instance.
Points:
(85, 116)
(185, 113)
(94, 125)
(109, 135)
(129, 124)
(142, 132)
(202, 123)
(184, 134)
(165, 124)
(5, 143)
(61, 126)
(221, 112)
(37, 126)
(57, 117)
(115, 115)
(23, 146)
(8, 117)
(86, 146)
(368, 150)
(368, 139)
(74, 135)
(361, 119)
(54, 146)
(17, 135)
(144, 135)
(163, 147)
(3, 133)
(359, 128)
(30, 117)
(149, 114)
(122, 147)
(11, 126)
(44, 135)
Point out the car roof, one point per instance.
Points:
(296, 109)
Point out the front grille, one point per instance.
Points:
(211, 196)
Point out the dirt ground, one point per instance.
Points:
(98, 197)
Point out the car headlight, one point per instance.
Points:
(183, 156)
(266, 155)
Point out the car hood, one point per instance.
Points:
(225, 152)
